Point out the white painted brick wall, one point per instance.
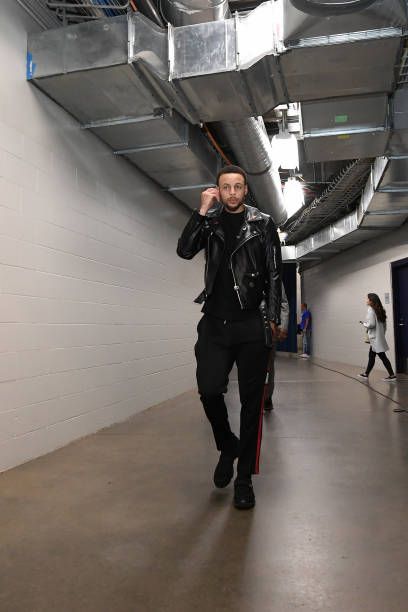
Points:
(96, 313)
(336, 292)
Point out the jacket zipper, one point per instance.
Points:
(206, 263)
(236, 286)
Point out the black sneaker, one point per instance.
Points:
(224, 470)
(392, 378)
(244, 496)
(363, 375)
(268, 404)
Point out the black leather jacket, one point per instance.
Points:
(256, 262)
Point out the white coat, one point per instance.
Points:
(376, 332)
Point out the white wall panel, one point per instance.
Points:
(96, 313)
(336, 292)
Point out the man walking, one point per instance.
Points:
(242, 301)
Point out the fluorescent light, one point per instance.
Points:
(293, 196)
(285, 151)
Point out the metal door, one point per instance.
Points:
(400, 291)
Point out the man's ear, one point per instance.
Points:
(246, 190)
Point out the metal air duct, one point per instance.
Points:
(253, 150)
(247, 137)
(345, 128)
(187, 12)
(85, 69)
(341, 55)
(383, 207)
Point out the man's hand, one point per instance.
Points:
(208, 199)
(274, 328)
(277, 332)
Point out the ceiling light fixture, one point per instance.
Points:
(285, 152)
(293, 196)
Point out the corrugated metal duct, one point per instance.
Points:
(251, 145)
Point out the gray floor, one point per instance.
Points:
(127, 520)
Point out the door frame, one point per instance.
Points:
(395, 265)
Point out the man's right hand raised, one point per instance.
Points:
(208, 199)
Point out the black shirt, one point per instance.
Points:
(224, 302)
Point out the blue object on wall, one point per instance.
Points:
(30, 66)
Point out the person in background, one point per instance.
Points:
(282, 334)
(306, 329)
(376, 326)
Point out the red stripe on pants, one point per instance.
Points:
(258, 445)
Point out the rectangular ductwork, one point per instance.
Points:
(85, 69)
(222, 70)
(133, 83)
(398, 144)
(298, 26)
(226, 69)
(341, 55)
(384, 202)
(333, 69)
(179, 158)
(345, 128)
(242, 66)
(383, 207)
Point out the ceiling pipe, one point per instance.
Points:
(247, 137)
(252, 148)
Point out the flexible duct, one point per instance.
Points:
(252, 148)
(247, 137)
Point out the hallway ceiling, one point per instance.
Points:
(343, 71)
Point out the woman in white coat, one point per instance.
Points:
(376, 325)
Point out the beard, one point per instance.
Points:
(232, 204)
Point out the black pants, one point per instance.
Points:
(384, 359)
(219, 345)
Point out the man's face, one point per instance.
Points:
(232, 191)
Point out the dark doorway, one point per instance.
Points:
(289, 281)
(400, 299)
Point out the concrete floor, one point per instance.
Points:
(127, 520)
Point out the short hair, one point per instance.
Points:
(230, 169)
(304, 304)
